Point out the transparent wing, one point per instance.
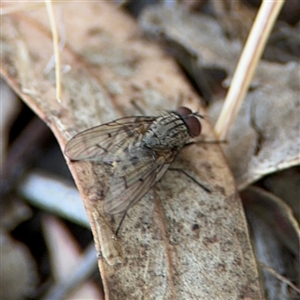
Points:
(134, 177)
(95, 143)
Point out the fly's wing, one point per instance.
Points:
(95, 143)
(133, 178)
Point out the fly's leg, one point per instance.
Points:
(190, 177)
(121, 222)
(137, 107)
(206, 142)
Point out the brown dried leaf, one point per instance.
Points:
(276, 214)
(9, 109)
(276, 237)
(201, 34)
(179, 241)
(286, 185)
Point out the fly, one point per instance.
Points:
(139, 149)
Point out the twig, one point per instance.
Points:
(279, 277)
(55, 40)
(243, 75)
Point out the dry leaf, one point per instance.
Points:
(276, 214)
(179, 242)
(9, 108)
(286, 185)
(201, 34)
(276, 236)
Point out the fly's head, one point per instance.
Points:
(191, 120)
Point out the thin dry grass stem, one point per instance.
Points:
(23, 62)
(19, 7)
(55, 40)
(279, 277)
(246, 67)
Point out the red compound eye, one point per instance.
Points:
(184, 111)
(193, 125)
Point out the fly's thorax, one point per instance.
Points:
(168, 131)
